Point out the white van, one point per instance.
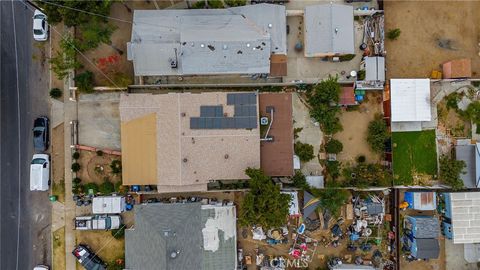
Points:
(108, 205)
(39, 172)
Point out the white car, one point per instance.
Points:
(41, 267)
(40, 26)
(40, 172)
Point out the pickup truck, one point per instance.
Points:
(88, 259)
(98, 222)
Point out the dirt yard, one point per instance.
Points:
(450, 122)
(58, 259)
(95, 168)
(102, 242)
(58, 163)
(433, 264)
(432, 32)
(355, 126)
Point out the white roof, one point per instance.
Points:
(293, 210)
(315, 181)
(465, 208)
(108, 205)
(410, 100)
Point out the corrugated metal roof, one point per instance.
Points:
(410, 100)
(328, 30)
(465, 209)
(427, 248)
(243, 39)
(375, 68)
(426, 227)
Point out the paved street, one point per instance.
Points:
(25, 216)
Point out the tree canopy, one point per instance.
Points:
(377, 134)
(70, 12)
(304, 151)
(263, 205)
(367, 175)
(331, 198)
(334, 146)
(450, 170)
(323, 99)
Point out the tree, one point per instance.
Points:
(263, 205)
(76, 155)
(55, 93)
(304, 151)
(334, 146)
(91, 186)
(84, 82)
(299, 180)
(106, 188)
(93, 33)
(333, 168)
(70, 12)
(75, 167)
(450, 170)
(66, 58)
(377, 134)
(331, 198)
(323, 100)
(393, 34)
(116, 166)
(118, 233)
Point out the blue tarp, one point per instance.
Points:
(409, 199)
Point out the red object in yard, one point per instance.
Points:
(347, 97)
(456, 69)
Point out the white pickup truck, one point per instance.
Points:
(98, 222)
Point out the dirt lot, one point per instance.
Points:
(95, 168)
(432, 32)
(355, 126)
(58, 163)
(59, 249)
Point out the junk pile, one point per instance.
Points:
(303, 247)
(374, 35)
(371, 210)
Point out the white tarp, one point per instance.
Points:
(293, 210)
(410, 100)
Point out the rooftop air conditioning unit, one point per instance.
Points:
(173, 63)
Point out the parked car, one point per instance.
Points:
(98, 222)
(41, 134)
(40, 172)
(40, 26)
(41, 267)
(88, 259)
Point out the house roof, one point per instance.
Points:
(181, 236)
(427, 248)
(187, 127)
(328, 30)
(421, 200)
(470, 154)
(465, 217)
(276, 156)
(410, 100)
(207, 41)
(459, 68)
(425, 227)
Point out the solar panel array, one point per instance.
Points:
(245, 114)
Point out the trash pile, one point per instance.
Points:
(370, 210)
(303, 247)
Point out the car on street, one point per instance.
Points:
(40, 172)
(40, 26)
(87, 258)
(40, 134)
(98, 222)
(41, 267)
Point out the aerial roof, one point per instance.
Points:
(426, 248)
(236, 40)
(421, 200)
(425, 226)
(169, 151)
(328, 30)
(410, 100)
(465, 217)
(470, 154)
(182, 236)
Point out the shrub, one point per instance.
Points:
(450, 170)
(367, 175)
(235, 3)
(299, 180)
(65, 59)
(106, 187)
(452, 101)
(304, 151)
(377, 134)
(75, 167)
(361, 159)
(76, 155)
(93, 33)
(84, 82)
(56, 93)
(77, 189)
(119, 233)
(331, 198)
(99, 153)
(91, 186)
(215, 4)
(361, 75)
(198, 5)
(393, 34)
(76, 180)
(119, 188)
(296, 131)
(333, 168)
(334, 146)
(116, 166)
(346, 57)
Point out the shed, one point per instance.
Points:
(410, 100)
(421, 200)
(108, 205)
(425, 248)
(347, 97)
(375, 68)
(328, 30)
(422, 226)
(457, 69)
(470, 154)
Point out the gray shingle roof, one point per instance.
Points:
(211, 41)
(427, 248)
(328, 30)
(427, 227)
(163, 229)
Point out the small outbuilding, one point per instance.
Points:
(108, 205)
(457, 69)
(422, 201)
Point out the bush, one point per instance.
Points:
(450, 170)
(119, 188)
(67, 11)
(333, 146)
(361, 159)
(84, 82)
(295, 132)
(346, 57)
(92, 186)
(377, 134)
(76, 155)
(116, 166)
(304, 151)
(333, 168)
(452, 101)
(75, 167)
(56, 93)
(106, 188)
(215, 4)
(235, 3)
(393, 34)
(119, 233)
(299, 180)
(76, 180)
(93, 33)
(367, 175)
(361, 75)
(198, 5)
(77, 189)
(99, 153)
(65, 59)
(331, 198)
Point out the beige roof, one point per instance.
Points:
(186, 159)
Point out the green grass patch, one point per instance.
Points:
(413, 153)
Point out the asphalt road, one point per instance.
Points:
(25, 216)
